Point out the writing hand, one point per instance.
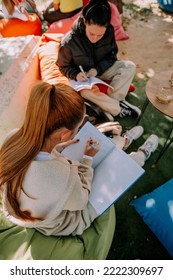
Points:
(92, 147)
(81, 77)
(23, 11)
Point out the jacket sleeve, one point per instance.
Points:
(64, 62)
(105, 63)
(109, 58)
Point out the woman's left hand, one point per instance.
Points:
(114, 127)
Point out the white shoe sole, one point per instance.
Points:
(135, 108)
(109, 116)
(155, 142)
(140, 131)
(131, 139)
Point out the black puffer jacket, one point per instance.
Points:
(76, 49)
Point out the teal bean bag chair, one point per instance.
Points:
(18, 243)
(166, 5)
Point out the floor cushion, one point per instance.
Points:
(103, 88)
(47, 54)
(156, 210)
(166, 5)
(13, 27)
(18, 243)
(116, 21)
(63, 25)
(85, 2)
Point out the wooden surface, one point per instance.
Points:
(154, 85)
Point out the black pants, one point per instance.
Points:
(52, 16)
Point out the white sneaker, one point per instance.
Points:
(132, 134)
(150, 145)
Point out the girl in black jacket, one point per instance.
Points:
(91, 44)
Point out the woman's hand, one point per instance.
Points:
(113, 127)
(92, 147)
(23, 11)
(81, 77)
(92, 73)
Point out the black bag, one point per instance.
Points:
(95, 114)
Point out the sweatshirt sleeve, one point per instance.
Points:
(80, 195)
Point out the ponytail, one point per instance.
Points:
(50, 107)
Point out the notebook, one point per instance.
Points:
(114, 170)
(88, 84)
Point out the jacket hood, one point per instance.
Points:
(78, 26)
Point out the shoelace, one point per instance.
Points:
(147, 148)
(124, 112)
(129, 136)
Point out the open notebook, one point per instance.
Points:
(114, 170)
(87, 84)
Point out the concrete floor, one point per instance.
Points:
(18, 70)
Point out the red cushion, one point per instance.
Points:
(131, 88)
(116, 21)
(85, 2)
(63, 25)
(104, 88)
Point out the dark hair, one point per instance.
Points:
(97, 12)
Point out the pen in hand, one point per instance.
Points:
(93, 146)
(81, 69)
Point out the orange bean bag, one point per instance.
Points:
(13, 27)
(47, 54)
